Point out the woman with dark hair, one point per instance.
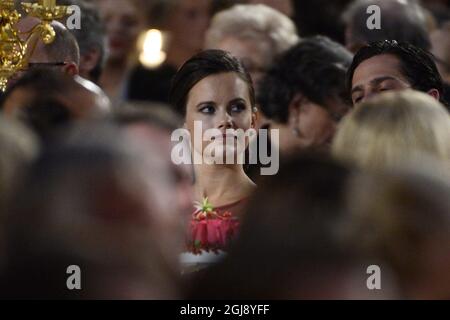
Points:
(303, 94)
(216, 96)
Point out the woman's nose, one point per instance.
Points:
(114, 25)
(226, 121)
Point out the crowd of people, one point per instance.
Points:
(261, 159)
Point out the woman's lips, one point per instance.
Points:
(116, 44)
(224, 136)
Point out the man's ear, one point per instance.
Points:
(435, 94)
(71, 69)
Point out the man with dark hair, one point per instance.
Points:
(391, 65)
(91, 38)
(400, 20)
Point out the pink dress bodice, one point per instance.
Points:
(213, 228)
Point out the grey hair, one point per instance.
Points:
(92, 34)
(253, 22)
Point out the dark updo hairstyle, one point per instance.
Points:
(315, 67)
(200, 66)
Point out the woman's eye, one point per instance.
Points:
(239, 107)
(129, 21)
(207, 109)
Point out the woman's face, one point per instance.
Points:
(316, 125)
(124, 22)
(188, 23)
(220, 102)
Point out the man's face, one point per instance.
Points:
(375, 75)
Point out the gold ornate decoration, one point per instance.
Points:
(17, 47)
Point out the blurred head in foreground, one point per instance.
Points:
(19, 147)
(47, 100)
(155, 123)
(101, 202)
(403, 217)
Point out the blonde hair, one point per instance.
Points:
(394, 127)
(256, 22)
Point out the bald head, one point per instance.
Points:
(63, 52)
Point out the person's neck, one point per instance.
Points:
(222, 184)
(113, 77)
(116, 67)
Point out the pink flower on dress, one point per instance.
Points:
(210, 230)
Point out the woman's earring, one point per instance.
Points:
(296, 132)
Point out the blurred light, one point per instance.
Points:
(151, 44)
